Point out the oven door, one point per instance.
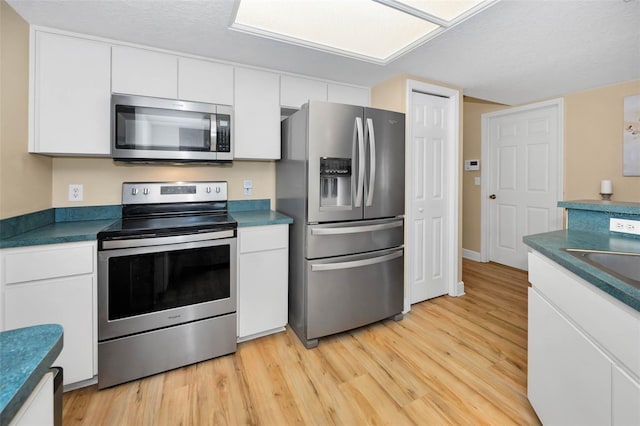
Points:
(151, 287)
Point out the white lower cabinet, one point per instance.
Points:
(38, 407)
(583, 350)
(54, 284)
(626, 399)
(569, 380)
(263, 280)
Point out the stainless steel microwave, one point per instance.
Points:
(145, 129)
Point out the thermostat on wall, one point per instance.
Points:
(470, 165)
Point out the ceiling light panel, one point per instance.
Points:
(360, 28)
(448, 10)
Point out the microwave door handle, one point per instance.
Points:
(372, 162)
(214, 133)
(358, 132)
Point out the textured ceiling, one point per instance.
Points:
(515, 52)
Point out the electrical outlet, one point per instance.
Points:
(247, 185)
(76, 192)
(625, 226)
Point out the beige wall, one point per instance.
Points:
(592, 150)
(392, 94)
(473, 110)
(593, 143)
(25, 179)
(102, 178)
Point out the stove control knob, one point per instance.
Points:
(145, 191)
(208, 190)
(217, 189)
(134, 191)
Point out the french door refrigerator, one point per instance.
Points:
(341, 178)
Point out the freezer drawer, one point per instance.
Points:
(351, 291)
(337, 239)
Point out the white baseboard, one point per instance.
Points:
(471, 255)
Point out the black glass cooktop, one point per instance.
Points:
(168, 225)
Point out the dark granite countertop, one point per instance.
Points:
(550, 244)
(260, 218)
(26, 354)
(621, 207)
(83, 224)
(58, 232)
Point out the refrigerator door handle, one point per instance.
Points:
(355, 263)
(356, 229)
(359, 133)
(372, 162)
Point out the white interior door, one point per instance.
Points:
(524, 177)
(430, 189)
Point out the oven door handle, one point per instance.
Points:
(158, 241)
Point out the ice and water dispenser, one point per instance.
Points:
(335, 182)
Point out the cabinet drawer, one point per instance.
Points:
(261, 238)
(607, 321)
(50, 262)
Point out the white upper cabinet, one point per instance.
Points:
(144, 72)
(71, 92)
(204, 81)
(257, 115)
(348, 94)
(295, 91)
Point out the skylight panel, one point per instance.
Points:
(376, 31)
(448, 10)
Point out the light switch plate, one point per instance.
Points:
(247, 186)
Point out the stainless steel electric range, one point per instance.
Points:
(166, 280)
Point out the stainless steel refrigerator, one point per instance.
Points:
(341, 178)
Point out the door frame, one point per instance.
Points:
(456, 286)
(485, 179)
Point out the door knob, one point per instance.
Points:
(492, 196)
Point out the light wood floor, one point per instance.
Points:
(449, 361)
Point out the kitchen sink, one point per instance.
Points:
(622, 265)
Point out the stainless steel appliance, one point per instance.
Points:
(341, 178)
(145, 129)
(166, 280)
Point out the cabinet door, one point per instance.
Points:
(262, 279)
(625, 399)
(569, 379)
(203, 81)
(295, 91)
(144, 72)
(71, 96)
(348, 95)
(39, 406)
(257, 115)
(66, 301)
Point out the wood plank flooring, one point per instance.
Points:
(449, 361)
